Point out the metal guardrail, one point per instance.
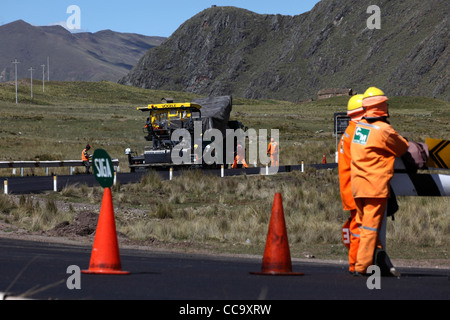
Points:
(403, 183)
(47, 164)
(57, 182)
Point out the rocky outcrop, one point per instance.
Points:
(227, 50)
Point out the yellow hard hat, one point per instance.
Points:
(355, 102)
(372, 92)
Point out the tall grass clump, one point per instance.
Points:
(421, 221)
(33, 214)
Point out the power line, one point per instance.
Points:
(31, 70)
(15, 62)
(43, 77)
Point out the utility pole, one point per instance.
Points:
(15, 62)
(31, 70)
(43, 77)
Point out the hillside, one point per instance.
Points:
(227, 50)
(85, 56)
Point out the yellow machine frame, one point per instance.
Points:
(170, 111)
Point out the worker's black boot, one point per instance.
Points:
(381, 259)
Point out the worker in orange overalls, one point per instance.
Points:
(272, 149)
(374, 147)
(239, 158)
(351, 228)
(85, 157)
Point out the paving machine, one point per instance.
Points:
(164, 118)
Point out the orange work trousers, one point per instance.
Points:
(354, 240)
(274, 160)
(370, 216)
(239, 160)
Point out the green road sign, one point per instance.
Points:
(103, 168)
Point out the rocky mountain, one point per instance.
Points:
(227, 50)
(104, 55)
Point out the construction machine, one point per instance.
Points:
(195, 118)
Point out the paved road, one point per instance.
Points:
(174, 276)
(36, 184)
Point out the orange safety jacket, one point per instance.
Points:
(374, 148)
(344, 165)
(84, 155)
(273, 148)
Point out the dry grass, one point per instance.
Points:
(32, 213)
(235, 211)
(421, 221)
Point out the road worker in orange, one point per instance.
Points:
(351, 228)
(375, 145)
(272, 149)
(239, 158)
(85, 157)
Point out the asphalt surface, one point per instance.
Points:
(40, 271)
(37, 184)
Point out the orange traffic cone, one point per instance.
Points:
(324, 159)
(277, 257)
(105, 258)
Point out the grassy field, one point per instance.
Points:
(203, 212)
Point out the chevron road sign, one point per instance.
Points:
(439, 153)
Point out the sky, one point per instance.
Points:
(147, 17)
